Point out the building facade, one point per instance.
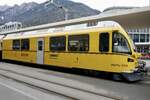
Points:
(141, 38)
(10, 26)
(140, 35)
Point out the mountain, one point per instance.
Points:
(31, 14)
(3, 8)
(12, 13)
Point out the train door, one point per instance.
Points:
(40, 51)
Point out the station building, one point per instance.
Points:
(10, 26)
(140, 34)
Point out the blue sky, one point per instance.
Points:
(96, 4)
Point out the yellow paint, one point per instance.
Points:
(33, 47)
(94, 39)
(7, 45)
(94, 60)
(46, 44)
(24, 56)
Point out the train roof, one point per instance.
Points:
(59, 32)
(84, 28)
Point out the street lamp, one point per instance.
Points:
(59, 6)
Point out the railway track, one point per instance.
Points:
(70, 92)
(35, 86)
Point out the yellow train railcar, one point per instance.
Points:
(107, 49)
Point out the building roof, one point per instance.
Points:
(137, 17)
(118, 8)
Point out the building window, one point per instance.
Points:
(142, 37)
(78, 43)
(16, 45)
(120, 44)
(58, 43)
(147, 37)
(136, 38)
(25, 44)
(104, 42)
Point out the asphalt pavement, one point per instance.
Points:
(128, 91)
(13, 90)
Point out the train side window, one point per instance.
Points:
(104, 42)
(58, 43)
(25, 44)
(40, 45)
(78, 43)
(16, 45)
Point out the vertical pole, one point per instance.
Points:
(66, 14)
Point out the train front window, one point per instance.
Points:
(120, 44)
(132, 44)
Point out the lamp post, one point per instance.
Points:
(59, 6)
